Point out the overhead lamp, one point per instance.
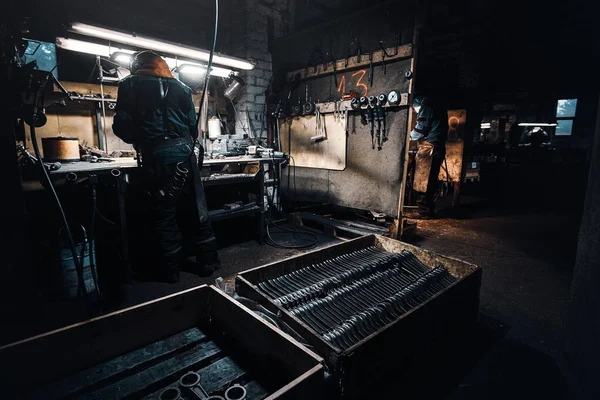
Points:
(537, 124)
(486, 125)
(158, 45)
(89, 48)
(197, 69)
(123, 56)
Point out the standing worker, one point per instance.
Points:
(431, 133)
(155, 112)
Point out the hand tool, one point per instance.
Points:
(371, 118)
(319, 127)
(371, 69)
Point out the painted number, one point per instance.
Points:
(360, 88)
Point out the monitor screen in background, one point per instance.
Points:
(44, 53)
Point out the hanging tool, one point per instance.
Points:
(309, 106)
(385, 54)
(346, 115)
(376, 117)
(382, 100)
(364, 105)
(371, 72)
(371, 118)
(379, 114)
(319, 127)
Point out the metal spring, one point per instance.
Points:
(178, 181)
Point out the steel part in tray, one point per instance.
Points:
(350, 305)
(360, 366)
(337, 270)
(366, 322)
(211, 347)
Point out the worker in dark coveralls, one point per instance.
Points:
(155, 112)
(431, 133)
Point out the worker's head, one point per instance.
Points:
(147, 62)
(418, 101)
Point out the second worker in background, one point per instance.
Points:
(431, 134)
(155, 112)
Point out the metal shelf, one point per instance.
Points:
(221, 214)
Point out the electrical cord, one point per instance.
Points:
(208, 68)
(92, 251)
(312, 239)
(76, 260)
(102, 217)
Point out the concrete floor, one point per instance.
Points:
(527, 259)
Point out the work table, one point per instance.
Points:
(127, 163)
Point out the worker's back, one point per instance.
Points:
(153, 109)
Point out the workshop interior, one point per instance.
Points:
(279, 199)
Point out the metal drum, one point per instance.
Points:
(61, 277)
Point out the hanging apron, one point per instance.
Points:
(422, 165)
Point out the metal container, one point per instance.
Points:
(64, 149)
(235, 87)
(144, 351)
(61, 278)
(357, 370)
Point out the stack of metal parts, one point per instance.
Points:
(347, 298)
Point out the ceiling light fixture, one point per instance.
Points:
(196, 69)
(123, 56)
(537, 124)
(158, 45)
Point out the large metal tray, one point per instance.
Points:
(359, 368)
(139, 352)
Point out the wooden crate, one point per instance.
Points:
(358, 370)
(140, 351)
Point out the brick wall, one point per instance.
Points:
(255, 23)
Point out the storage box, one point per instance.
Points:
(358, 369)
(141, 351)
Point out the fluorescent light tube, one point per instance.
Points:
(536, 124)
(106, 51)
(89, 48)
(160, 46)
(195, 69)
